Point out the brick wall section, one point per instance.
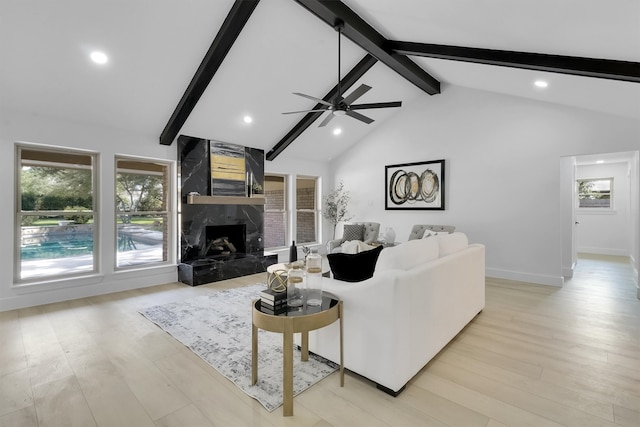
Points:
(274, 222)
(306, 224)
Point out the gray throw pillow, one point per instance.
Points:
(353, 232)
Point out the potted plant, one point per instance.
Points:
(336, 205)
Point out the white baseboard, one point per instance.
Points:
(603, 251)
(127, 281)
(557, 281)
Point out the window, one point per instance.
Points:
(142, 212)
(595, 193)
(275, 212)
(306, 211)
(56, 212)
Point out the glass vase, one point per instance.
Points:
(295, 285)
(314, 278)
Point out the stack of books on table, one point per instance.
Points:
(272, 302)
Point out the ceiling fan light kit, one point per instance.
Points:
(340, 106)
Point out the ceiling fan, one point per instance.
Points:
(344, 106)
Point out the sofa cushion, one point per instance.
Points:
(430, 233)
(353, 232)
(408, 255)
(450, 243)
(354, 267)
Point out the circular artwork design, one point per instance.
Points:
(410, 187)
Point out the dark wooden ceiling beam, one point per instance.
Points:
(579, 66)
(227, 35)
(364, 35)
(347, 81)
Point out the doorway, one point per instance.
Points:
(604, 230)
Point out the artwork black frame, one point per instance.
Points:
(415, 186)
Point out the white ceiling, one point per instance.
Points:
(155, 47)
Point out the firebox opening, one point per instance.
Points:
(225, 239)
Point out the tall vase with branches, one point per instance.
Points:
(336, 205)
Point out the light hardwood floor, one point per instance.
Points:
(536, 356)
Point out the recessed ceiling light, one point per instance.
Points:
(99, 57)
(599, 162)
(541, 84)
(247, 119)
(337, 131)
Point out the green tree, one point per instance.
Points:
(49, 188)
(138, 192)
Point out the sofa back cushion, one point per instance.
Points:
(354, 267)
(450, 243)
(353, 232)
(408, 255)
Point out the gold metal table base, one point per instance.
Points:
(287, 326)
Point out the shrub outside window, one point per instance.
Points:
(56, 212)
(595, 193)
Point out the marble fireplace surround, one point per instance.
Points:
(199, 264)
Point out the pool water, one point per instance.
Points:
(60, 249)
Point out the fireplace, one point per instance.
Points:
(218, 241)
(225, 240)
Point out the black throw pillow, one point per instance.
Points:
(354, 267)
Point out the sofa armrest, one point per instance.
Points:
(333, 244)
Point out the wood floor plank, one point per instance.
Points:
(188, 416)
(362, 394)
(74, 413)
(25, 417)
(212, 399)
(541, 406)
(496, 409)
(536, 386)
(15, 392)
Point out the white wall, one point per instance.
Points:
(18, 127)
(607, 233)
(568, 220)
(503, 171)
(635, 213)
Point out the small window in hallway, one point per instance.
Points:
(595, 193)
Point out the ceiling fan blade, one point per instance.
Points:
(359, 116)
(326, 120)
(376, 105)
(313, 98)
(361, 90)
(305, 111)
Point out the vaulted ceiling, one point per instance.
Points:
(155, 48)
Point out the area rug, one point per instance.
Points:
(217, 327)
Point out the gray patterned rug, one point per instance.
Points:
(217, 328)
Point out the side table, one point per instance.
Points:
(296, 320)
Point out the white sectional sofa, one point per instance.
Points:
(423, 292)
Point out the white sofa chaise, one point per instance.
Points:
(422, 294)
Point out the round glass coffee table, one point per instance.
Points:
(295, 320)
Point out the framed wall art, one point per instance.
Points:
(418, 185)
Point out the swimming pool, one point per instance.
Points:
(57, 249)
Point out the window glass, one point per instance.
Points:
(142, 212)
(275, 214)
(595, 193)
(56, 213)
